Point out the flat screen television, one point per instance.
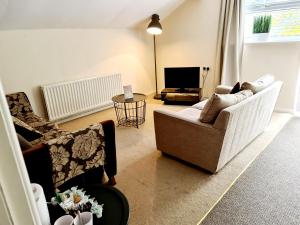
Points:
(182, 77)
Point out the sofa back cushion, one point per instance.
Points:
(25, 130)
(259, 84)
(217, 102)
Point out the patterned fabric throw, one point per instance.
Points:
(76, 152)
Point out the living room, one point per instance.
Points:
(198, 173)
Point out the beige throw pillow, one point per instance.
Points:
(258, 85)
(217, 102)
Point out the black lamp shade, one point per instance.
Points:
(154, 26)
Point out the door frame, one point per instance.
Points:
(14, 180)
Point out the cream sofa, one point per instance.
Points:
(211, 146)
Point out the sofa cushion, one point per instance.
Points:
(236, 88)
(44, 127)
(200, 105)
(223, 89)
(259, 84)
(25, 130)
(217, 102)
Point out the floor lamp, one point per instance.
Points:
(155, 28)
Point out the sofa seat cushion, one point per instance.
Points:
(44, 127)
(217, 102)
(259, 84)
(200, 105)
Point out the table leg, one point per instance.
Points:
(136, 114)
(125, 109)
(117, 113)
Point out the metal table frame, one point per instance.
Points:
(130, 112)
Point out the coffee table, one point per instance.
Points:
(115, 209)
(130, 112)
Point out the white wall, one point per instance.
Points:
(280, 59)
(4, 217)
(189, 38)
(30, 58)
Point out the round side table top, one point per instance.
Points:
(136, 98)
(115, 209)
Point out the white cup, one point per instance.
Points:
(64, 220)
(85, 217)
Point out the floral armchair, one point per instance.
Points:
(57, 158)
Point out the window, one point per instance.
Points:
(285, 20)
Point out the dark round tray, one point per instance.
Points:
(115, 209)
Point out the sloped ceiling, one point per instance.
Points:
(43, 14)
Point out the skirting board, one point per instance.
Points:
(82, 114)
(285, 110)
(150, 94)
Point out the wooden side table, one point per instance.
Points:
(130, 112)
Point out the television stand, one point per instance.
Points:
(179, 96)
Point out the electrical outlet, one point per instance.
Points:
(207, 68)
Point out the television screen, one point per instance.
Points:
(182, 77)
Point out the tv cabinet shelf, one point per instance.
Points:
(176, 96)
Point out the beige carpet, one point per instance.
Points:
(161, 190)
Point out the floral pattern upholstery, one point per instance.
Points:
(20, 108)
(72, 153)
(76, 152)
(18, 104)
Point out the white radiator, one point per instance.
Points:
(68, 99)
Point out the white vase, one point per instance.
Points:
(85, 218)
(64, 220)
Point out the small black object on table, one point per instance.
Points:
(130, 112)
(115, 208)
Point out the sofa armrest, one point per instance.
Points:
(188, 139)
(39, 167)
(110, 147)
(223, 89)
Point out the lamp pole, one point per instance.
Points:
(155, 28)
(156, 96)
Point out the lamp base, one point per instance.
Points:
(157, 96)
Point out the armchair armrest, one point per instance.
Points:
(110, 165)
(223, 89)
(39, 167)
(188, 139)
